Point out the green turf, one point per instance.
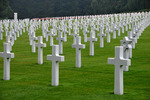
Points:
(94, 81)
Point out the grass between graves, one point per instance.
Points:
(94, 81)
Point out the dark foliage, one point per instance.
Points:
(56, 8)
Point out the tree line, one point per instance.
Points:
(57, 8)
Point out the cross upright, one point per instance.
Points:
(1, 32)
(108, 33)
(51, 37)
(85, 31)
(119, 27)
(101, 34)
(78, 47)
(40, 46)
(131, 38)
(7, 57)
(74, 34)
(65, 31)
(92, 39)
(119, 62)
(60, 38)
(114, 31)
(55, 58)
(47, 34)
(127, 48)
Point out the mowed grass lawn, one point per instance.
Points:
(93, 81)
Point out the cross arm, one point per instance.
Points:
(111, 61)
(11, 55)
(60, 58)
(49, 57)
(125, 62)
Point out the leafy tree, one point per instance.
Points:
(5, 9)
(56, 8)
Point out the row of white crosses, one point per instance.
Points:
(124, 52)
(10, 37)
(77, 44)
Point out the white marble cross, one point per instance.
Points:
(55, 58)
(101, 34)
(7, 57)
(40, 46)
(114, 31)
(78, 47)
(74, 34)
(123, 27)
(92, 39)
(33, 38)
(65, 31)
(119, 62)
(108, 33)
(51, 37)
(85, 31)
(60, 38)
(1, 32)
(127, 48)
(131, 38)
(15, 16)
(9, 42)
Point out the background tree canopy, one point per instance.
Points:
(5, 10)
(56, 8)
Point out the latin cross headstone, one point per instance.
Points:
(92, 39)
(123, 27)
(119, 27)
(119, 62)
(74, 34)
(131, 38)
(85, 31)
(114, 31)
(7, 57)
(127, 48)
(101, 34)
(108, 33)
(9, 42)
(51, 37)
(60, 38)
(40, 46)
(15, 16)
(1, 32)
(65, 32)
(33, 39)
(55, 58)
(78, 47)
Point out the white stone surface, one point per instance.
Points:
(33, 39)
(114, 32)
(126, 43)
(7, 57)
(78, 47)
(40, 46)
(60, 38)
(131, 38)
(108, 34)
(1, 32)
(9, 42)
(55, 58)
(101, 34)
(119, 62)
(92, 39)
(15, 16)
